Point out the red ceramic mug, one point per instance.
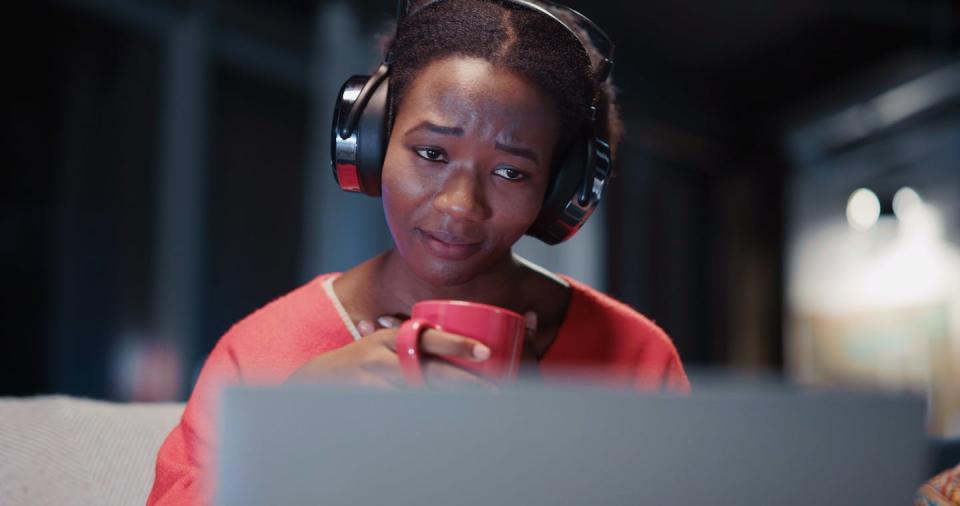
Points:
(499, 329)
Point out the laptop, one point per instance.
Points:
(567, 446)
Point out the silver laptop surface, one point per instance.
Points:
(533, 446)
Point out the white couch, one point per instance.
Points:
(61, 450)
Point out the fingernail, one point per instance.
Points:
(481, 352)
(365, 327)
(531, 320)
(386, 322)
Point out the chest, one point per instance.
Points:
(537, 344)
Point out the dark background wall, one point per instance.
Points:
(155, 148)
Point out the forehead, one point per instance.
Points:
(472, 94)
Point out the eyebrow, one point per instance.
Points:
(437, 129)
(458, 132)
(518, 151)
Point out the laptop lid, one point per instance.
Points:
(534, 446)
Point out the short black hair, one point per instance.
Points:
(513, 37)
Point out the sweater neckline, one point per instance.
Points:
(348, 324)
(342, 311)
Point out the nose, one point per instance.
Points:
(461, 197)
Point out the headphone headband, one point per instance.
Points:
(345, 129)
(598, 37)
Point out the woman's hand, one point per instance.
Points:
(366, 327)
(530, 352)
(372, 361)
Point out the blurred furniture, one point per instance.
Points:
(59, 450)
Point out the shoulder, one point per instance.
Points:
(281, 335)
(597, 307)
(600, 330)
(297, 306)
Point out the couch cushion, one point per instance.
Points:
(66, 451)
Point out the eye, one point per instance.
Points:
(431, 154)
(510, 174)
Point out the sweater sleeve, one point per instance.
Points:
(262, 349)
(611, 344)
(185, 458)
(675, 379)
(658, 366)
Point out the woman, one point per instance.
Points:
(484, 99)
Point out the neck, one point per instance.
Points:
(498, 286)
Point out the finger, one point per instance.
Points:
(387, 338)
(384, 364)
(365, 328)
(529, 348)
(530, 317)
(386, 367)
(531, 355)
(438, 373)
(389, 322)
(438, 342)
(373, 380)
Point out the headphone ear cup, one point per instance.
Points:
(372, 140)
(358, 158)
(561, 214)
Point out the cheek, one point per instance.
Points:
(401, 191)
(407, 198)
(515, 212)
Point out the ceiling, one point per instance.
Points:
(718, 68)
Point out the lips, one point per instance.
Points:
(448, 245)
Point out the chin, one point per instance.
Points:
(438, 270)
(442, 273)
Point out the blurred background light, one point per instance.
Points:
(863, 209)
(873, 277)
(907, 204)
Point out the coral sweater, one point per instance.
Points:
(265, 348)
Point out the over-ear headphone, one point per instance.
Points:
(359, 139)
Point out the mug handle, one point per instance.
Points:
(408, 350)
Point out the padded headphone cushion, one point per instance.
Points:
(372, 140)
(567, 178)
